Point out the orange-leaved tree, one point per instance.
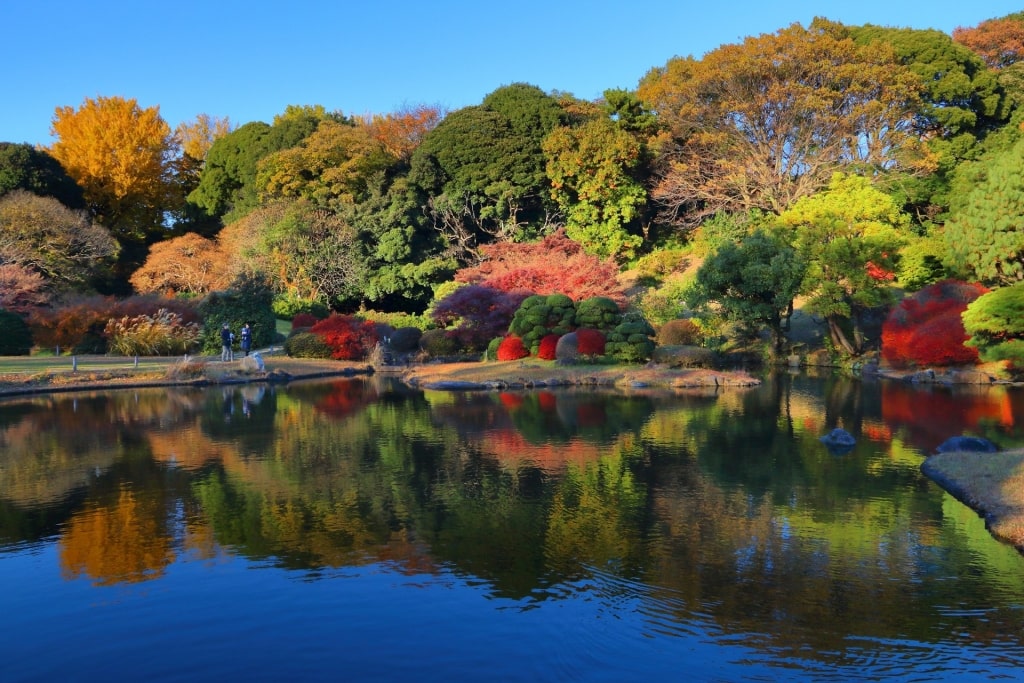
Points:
(1000, 42)
(760, 124)
(188, 264)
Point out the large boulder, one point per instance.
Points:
(839, 441)
(972, 444)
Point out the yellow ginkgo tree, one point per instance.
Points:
(124, 158)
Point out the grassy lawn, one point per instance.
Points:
(52, 364)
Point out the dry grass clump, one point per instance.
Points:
(991, 483)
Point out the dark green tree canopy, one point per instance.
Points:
(985, 234)
(228, 188)
(753, 283)
(961, 95)
(23, 167)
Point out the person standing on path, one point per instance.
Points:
(226, 354)
(246, 339)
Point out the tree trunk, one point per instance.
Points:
(839, 340)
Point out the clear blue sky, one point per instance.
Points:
(248, 60)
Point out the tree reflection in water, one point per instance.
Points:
(719, 504)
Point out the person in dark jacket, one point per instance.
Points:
(246, 338)
(226, 338)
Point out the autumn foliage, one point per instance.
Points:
(512, 348)
(1000, 42)
(349, 337)
(553, 265)
(926, 329)
(190, 263)
(546, 349)
(589, 342)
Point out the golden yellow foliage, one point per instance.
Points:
(122, 156)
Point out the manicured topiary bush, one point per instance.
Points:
(590, 342)
(679, 332)
(539, 316)
(926, 329)
(631, 341)
(306, 345)
(15, 336)
(512, 348)
(547, 345)
(598, 312)
(492, 349)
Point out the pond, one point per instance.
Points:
(358, 529)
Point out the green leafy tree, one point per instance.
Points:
(752, 283)
(995, 324)
(961, 102)
(335, 164)
(228, 187)
(590, 168)
(23, 167)
(481, 170)
(985, 234)
(846, 235)
(308, 253)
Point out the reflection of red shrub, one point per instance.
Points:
(926, 328)
(547, 401)
(511, 348)
(510, 400)
(349, 338)
(931, 416)
(546, 350)
(591, 415)
(589, 342)
(345, 398)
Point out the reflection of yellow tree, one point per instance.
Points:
(125, 543)
(594, 513)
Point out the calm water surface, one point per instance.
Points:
(360, 530)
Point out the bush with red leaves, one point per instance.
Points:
(553, 265)
(589, 342)
(548, 343)
(349, 338)
(511, 348)
(926, 329)
(304, 320)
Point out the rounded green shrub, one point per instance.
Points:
(306, 345)
(679, 332)
(598, 312)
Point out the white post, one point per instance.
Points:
(136, 361)
(74, 363)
